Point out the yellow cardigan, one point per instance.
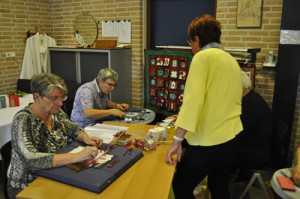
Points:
(212, 99)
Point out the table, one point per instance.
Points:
(150, 177)
(6, 117)
(282, 193)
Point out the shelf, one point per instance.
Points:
(253, 51)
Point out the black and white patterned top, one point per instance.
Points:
(33, 145)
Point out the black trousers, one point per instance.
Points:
(201, 161)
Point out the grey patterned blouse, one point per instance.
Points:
(33, 145)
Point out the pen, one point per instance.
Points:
(112, 163)
(128, 150)
(100, 164)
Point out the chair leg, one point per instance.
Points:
(253, 178)
(248, 186)
(262, 184)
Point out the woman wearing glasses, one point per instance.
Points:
(40, 129)
(209, 118)
(91, 101)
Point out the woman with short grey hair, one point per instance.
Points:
(46, 82)
(41, 128)
(92, 104)
(107, 73)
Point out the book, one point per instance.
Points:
(286, 183)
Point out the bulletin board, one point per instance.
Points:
(165, 76)
(173, 17)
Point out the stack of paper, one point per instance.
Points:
(104, 131)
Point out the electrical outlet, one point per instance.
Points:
(10, 55)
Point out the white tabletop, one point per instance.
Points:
(7, 115)
(283, 193)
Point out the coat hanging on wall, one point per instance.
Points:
(36, 55)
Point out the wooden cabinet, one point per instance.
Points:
(80, 65)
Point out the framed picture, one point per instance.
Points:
(249, 13)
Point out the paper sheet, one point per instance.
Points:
(104, 131)
(109, 29)
(124, 32)
(120, 29)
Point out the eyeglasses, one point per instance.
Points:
(188, 41)
(111, 85)
(56, 99)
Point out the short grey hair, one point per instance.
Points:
(107, 73)
(247, 84)
(44, 84)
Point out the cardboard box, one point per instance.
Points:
(106, 43)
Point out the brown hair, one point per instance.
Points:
(207, 28)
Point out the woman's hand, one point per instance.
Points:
(122, 106)
(117, 113)
(176, 148)
(296, 174)
(89, 153)
(94, 141)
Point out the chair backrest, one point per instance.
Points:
(72, 89)
(279, 138)
(6, 156)
(24, 85)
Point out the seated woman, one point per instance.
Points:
(92, 104)
(40, 129)
(255, 140)
(296, 169)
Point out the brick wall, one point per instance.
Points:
(265, 37)
(16, 18)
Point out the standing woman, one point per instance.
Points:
(209, 118)
(40, 129)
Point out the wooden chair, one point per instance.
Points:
(6, 156)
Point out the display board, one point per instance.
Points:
(165, 75)
(92, 179)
